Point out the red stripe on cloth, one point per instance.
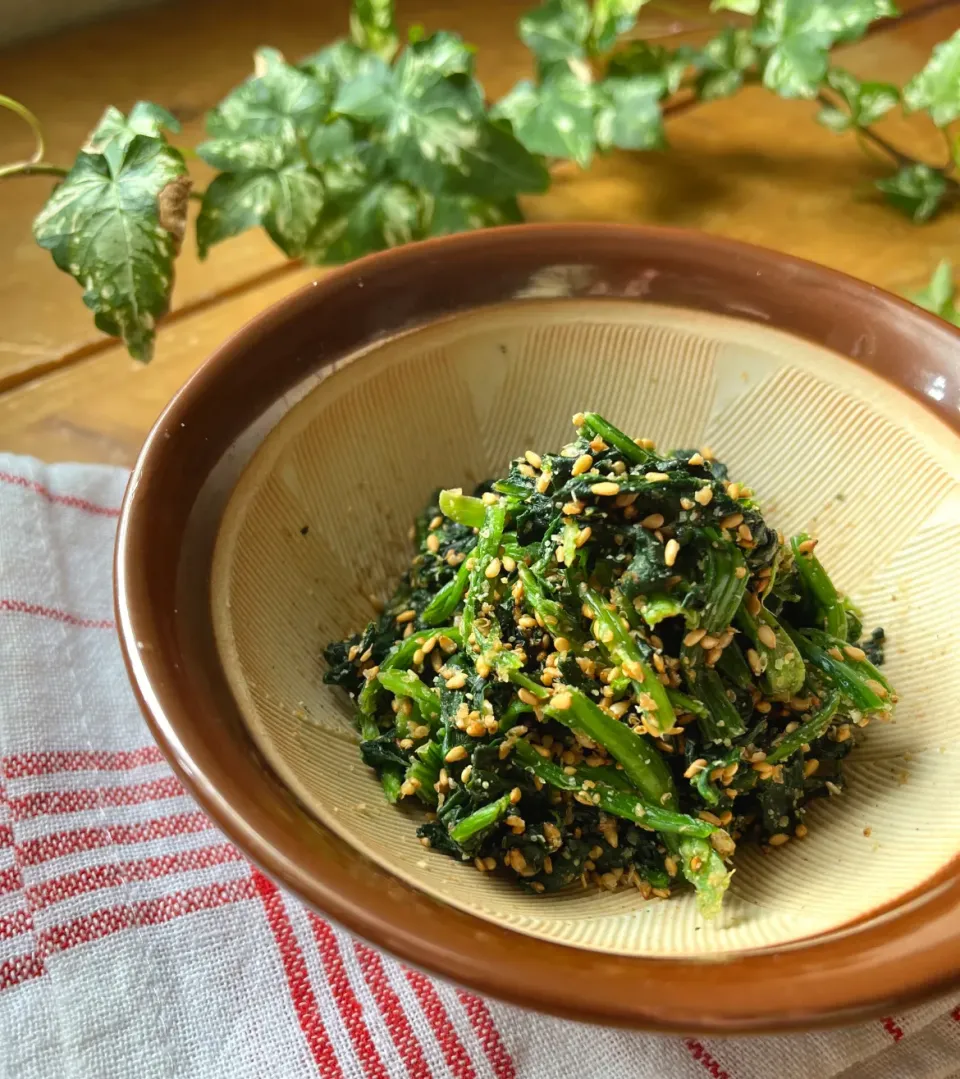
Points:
(59, 500)
(104, 923)
(51, 802)
(486, 1030)
(35, 851)
(15, 925)
(21, 969)
(119, 873)
(700, 1054)
(955, 1014)
(9, 881)
(20, 606)
(298, 980)
(22, 765)
(351, 1010)
(892, 1027)
(6, 835)
(458, 1061)
(407, 1045)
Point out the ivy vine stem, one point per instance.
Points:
(33, 165)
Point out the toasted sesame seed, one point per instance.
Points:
(855, 653)
(515, 795)
(533, 459)
(697, 766)
(694, 637)
(807, 546)
(732, 521)
(560, 701)
(708, 642)
(686, 504)
(670, 552)
(633, 669)
(582, 464)
(810, 766)
(767, 637)
(752, 603)
(647, 703)
(526, 470)
(704, 496)
(543, 482)
(528, 698)
(456, 754)
(710, 818)
(578, 419)
(489, 498)
(626, 499)
(433, 543)
(779, 839)
(654, 520)
(800, 831)
(476, 729)
(456, 681)
(406, 616)
(620, 709)
(561, 644)
(733, 490)
(877, 687)
(607, 487)
(696, 459)
(670, 864)
(583, 535)
(493, 569)
(656, 477)
(740, 572)
(597, 444)
(571, 509)
(418, 657)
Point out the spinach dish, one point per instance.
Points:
(606, 668)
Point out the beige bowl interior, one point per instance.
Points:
(828, 446)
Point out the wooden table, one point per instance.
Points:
(752, 167)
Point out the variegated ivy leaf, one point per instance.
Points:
(629, 115)
(723, 63)
(270, 135)
(798, 34)
(611, 18)
(644, 58)
(556, 118)
(461, 213)
(369, 219)
(916, 190)
(556, 32)
(116, 131)
(286, 201)
(865, 102)
(372, 26)
(115, 225)
(433, 126)
(940, 294)
(937, 87)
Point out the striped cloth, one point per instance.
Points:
(135, 941)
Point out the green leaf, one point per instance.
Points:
(642, 58)
(916, 190)
(115, 132)
(555, 119)
(462, 213)
(115, 225)
(937, 87)
(557, 31)
(286, 201)
(799, 34)
(431, 120)
(380, 216)
(611, 18)
(723, 62)
(742, 7)
(334, 65)
(865, 102)
(278, 102)
(940, 294)
(372, 27)
(629, 115)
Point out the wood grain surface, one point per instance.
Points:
(752, 167)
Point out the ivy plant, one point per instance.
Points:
(373, 142)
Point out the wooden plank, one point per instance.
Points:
(185, 55)
(100, 408)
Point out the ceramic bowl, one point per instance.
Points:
(269, 510)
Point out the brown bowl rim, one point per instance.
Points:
(879, 965)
